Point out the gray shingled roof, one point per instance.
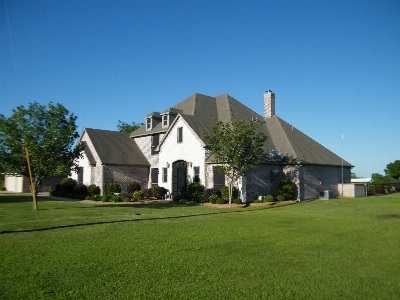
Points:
(201, 112)
(116, 148)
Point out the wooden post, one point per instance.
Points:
(35, 206)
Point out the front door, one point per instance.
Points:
(179, 172)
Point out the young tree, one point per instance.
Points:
(236, 145)
(393, 169)
(125, 127)
(48, 132)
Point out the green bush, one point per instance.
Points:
(225, 193)
(2, 188)
(67, 185)
(115, 198)
(93, 189)
(54, 193)
(199, 197)
(287, 188)
(280, 198)
(213, 198)
(96, 197)
(105, 198)
(148, 193)
(138, 196)
(268, 198)
(257, 201)
(113, 188)
(176, 198)
(237, 201)
(88, 197)
(133, 186)
(220, 201)
(210, 192)
(194, 189)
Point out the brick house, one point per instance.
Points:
(170, 150)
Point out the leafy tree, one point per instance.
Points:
(48, 132)
(236, 145)
(125, 127)
(380, 179)
(393, 169)
(353, 175)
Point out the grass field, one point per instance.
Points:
(336, 249)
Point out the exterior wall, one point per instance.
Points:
(261, 182)
(351, 190)
(123, 174)
(314, 179)
(20, 184)
(190, 150)
(87, 171)
(144, 144)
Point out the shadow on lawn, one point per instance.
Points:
(227, 211)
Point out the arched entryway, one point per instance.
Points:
(179, 172)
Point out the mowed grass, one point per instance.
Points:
(336, 249)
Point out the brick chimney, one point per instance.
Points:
(269, 104)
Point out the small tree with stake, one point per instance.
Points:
(49, 132)
(236, 145)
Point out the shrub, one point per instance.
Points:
(199, 197)
(158, 192)
(138, 196)
(237, 201)
(287, 188)
(58, 187)
(2, 188)
(80, 196)
(80, 189)
(268, 198)
(280, 198)
(93, 189)
(62, 194)
(116, 198)
(112, 188)
(67, 185)
(88, 198)
(133, 186)
(213, 198)
(105, 198)
(220, 201)
(225, 193)
(54, 193)
(257, 201)
(96, 197)
(70, 195)
(176, 198)
(148, 193)
(210, 192)
(193, 189)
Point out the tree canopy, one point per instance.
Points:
(236, 145)
(125, 127)
(49, 134)
(393, 169)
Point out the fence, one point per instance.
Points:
(382, 189)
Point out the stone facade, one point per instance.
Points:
(351, 190)
(123, 174)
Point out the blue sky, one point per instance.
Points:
(333, 65)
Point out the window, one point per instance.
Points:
(155, 140)
(165, 174)
(196, 174)
(165, 120)
(148, 124)
(80, 175)
(219, 179)
(154, 176)
(180, 136)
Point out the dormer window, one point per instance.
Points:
(165, 121)
(148, 124)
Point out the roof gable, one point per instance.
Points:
(115, 147)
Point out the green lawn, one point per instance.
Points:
(336, 249)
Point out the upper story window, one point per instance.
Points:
(180, 135)
(155, 140)
(165, 121)
(148, 124)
